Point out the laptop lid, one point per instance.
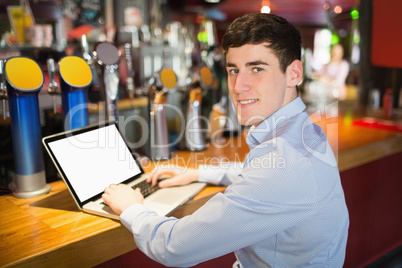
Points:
(91, 158)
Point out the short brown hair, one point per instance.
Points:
(283, 38)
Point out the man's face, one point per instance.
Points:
(257, 85)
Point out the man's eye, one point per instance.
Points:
(234, 71)
(257, 69)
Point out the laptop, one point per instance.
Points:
(92, 158)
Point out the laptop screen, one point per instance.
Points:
(93, 159)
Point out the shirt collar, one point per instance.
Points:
(258, 134)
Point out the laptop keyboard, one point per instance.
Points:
(146, 188)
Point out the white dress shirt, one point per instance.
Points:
(284, 207)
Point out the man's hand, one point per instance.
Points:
(120, 197)
(178, 176)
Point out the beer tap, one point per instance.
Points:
(85, 49)
(53, 88)
(194, 139)
(89, 59)
(130, 86)
(24, 80)
(159, 86)
(107, 58)
(3, 91)
(75, 77)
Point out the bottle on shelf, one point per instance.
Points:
(387, 103)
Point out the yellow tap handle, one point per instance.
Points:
(75, 71)
(206, 76)
(168, 78)
(23, 74)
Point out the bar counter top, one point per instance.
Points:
(49, 230)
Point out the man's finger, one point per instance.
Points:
(154, 177)
(174, 181)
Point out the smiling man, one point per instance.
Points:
(257, 84)
(284, 206)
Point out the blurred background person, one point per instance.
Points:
(334, 74)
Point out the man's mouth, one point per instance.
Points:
(243, 102)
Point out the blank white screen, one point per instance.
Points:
(94, 160)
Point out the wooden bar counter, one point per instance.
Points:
(49, 231)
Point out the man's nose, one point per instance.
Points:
(242, 82)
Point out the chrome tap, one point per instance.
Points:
(130, 86)
(159, 86)
(53, 88)
(107, 58)
(85, 49)
(194, 138)
(89, 59)
(3, 91)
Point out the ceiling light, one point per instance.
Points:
(338, 9)
(266, 9)
(212, 1)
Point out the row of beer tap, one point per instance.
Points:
(21, 80)
(151, 71)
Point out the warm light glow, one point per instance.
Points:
(348, 119)
(200, 19)
(265, 9)
(337, 9)
(326, 5)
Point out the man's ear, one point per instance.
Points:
(294, 73)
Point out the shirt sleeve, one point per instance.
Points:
(224, 174)
(245, 214)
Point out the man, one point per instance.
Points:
(288, 214)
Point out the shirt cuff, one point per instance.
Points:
(210, 174)
(131, 213)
